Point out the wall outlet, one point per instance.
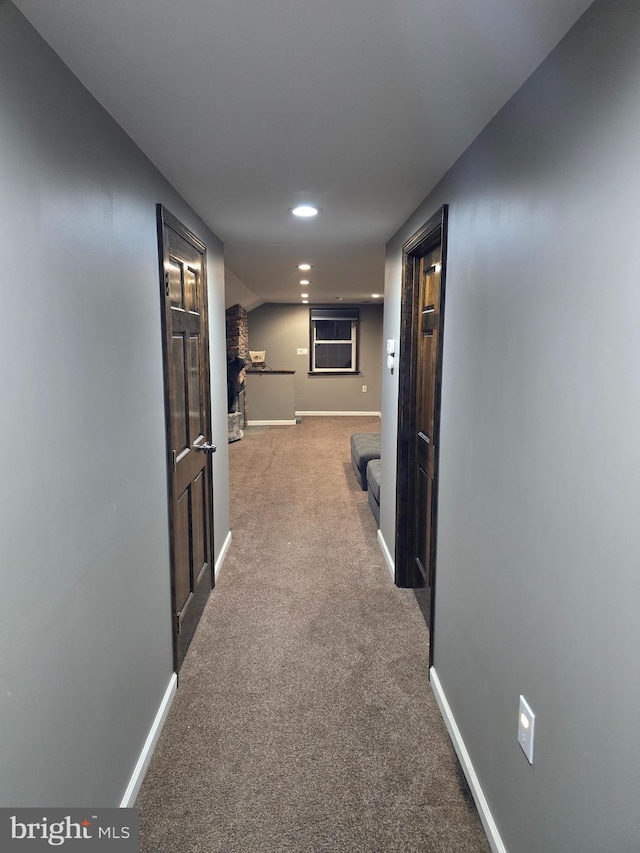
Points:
(526, 725)
(364, 389)
(303, 351)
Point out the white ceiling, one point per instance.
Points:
(252, 106)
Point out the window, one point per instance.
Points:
(334, 340)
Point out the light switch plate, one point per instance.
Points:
(526, 725)
(303, 351)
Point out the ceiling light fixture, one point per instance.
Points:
(305, 210)
(376, 295)
(304, 281)
(304, 267)
(304, 295)
(305, 301)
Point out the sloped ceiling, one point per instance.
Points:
(252, 106)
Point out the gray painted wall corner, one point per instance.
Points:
(537, 586)
(84, 551)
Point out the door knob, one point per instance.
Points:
(206, 448)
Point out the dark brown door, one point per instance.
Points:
(420, 379)
(427, 402)
(188, 413)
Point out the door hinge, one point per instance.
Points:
(166, 284)
(178, 615)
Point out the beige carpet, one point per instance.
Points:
(304, 720)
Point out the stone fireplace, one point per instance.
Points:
(237, 347)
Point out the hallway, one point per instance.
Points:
(304, 720)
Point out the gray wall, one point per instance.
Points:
(282, 329)
(538, 588)
(86, 628)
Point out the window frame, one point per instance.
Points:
(346, 314)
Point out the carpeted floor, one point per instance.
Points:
(304, 720)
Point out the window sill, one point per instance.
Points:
(334, 373)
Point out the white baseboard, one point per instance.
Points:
(271, 423)
(222, 555)
(387, 554)
(486, 817)
(142, 763)
(339, 414)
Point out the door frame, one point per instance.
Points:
(165, 218)
(431, 235)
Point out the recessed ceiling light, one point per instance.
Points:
(376, 295)
(304, 295)
(305, 301)
(305, 210)
(304, 281)
(304, 267)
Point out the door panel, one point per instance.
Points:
(195, 405)
(426, 403)
(173, 271)
(422, 530)
(178, 407)
(187, 391)
(199, 525)
(182, 570)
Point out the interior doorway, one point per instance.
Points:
(183, 288)
(420, 381)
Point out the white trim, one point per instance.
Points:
(387, 555)
(135, 783)
(271, 423)
(334, 342)
(486, 817)
(339, 414)
(222, 555)
(144, 758)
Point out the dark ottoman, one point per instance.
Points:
(365, 446)
(373, 483)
